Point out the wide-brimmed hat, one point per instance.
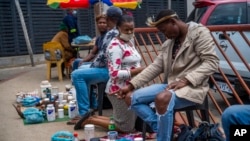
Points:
(150, 21)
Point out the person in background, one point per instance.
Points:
(124, 62)
(97, 72)
(70, 20)
(235, 115)
(101, 23)
(187, 60)
(62, 38)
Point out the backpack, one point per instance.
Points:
(204, 132)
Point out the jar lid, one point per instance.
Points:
(50, 105)
(60, 105)
(70, 97)
(46, 99)
(138, 139)
(60, 110)
(89, 126)
(45, 82)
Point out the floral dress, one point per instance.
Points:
(122, 57)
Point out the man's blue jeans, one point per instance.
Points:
(161, 124)
(82, 79)
(235, 115)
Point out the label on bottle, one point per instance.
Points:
(111, 127)
(50, 113)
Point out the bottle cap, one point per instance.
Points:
(46, 99)
(75, 134)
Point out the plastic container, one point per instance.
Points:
(73, 92)
(76, 136)
(72, 109)
(138, 139)
(60, 97)
(89, 131)
(46, 102)
(44, 85)
(60, 113)
(112, 135)
(66, 107)
(50, 112)
(70, 98)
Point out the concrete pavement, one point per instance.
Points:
(27, 78)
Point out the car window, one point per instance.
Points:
(233, 13)
(196, 14)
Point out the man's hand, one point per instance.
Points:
(178, 84)
(125, 90)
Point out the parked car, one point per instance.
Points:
(227, 12)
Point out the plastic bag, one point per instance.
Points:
(30, 101)
(62, 136)
(84, 39)
(205, 132)
(33, 115)
(208, 132)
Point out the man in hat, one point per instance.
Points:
(187, 60)
(70, 20)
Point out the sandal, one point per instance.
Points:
(78, 125)
(74, 120)
(18, 109)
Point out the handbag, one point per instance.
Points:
(204, 132)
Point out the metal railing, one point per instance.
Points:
(149, 40)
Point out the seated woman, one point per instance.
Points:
(123, 64)
(62, 38)
(102, 28)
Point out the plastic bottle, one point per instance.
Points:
(66, 107)
(89, 131)
(60, 113)
(50, 112)
(48, 94)
(76, 136)
(111, 124)
(73, 91)
(72, 109)
(44, 85)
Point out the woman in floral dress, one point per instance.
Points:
(124, 62)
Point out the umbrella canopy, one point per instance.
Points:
(131, 4)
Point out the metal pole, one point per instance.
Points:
(26, 36)
(169, 4)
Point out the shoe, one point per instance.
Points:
(74, 120)
(83, 118)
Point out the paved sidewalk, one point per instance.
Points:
(27, 78)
